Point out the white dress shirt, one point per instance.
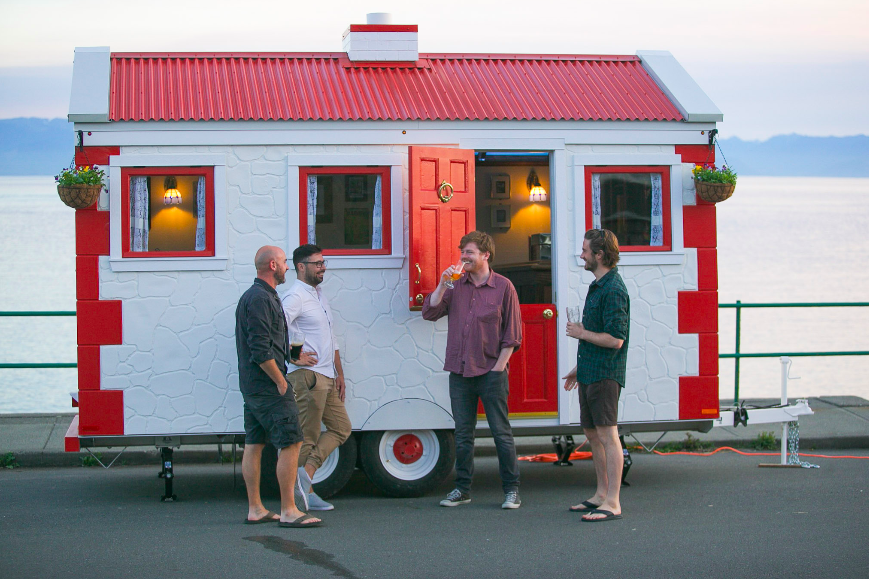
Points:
(307, 310)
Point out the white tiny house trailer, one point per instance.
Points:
(385, 157)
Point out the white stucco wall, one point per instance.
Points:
(178, 363)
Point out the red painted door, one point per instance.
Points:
(533, 369)
(442, 211)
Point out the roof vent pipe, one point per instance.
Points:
(378, 18)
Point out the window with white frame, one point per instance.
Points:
(633, 202)
(346, 210)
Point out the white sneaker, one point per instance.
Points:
(306, 480)
(300, 495)
(511, 500)
(315, 503)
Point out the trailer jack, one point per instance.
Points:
(628, 461)
(563, 449)
(166, 473)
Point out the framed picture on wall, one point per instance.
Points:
(354, 189)
(500, 187)
(501, 216)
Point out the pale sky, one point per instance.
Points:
(772, 66)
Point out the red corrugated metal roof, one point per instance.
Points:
(268, 86)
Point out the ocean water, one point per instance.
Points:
(797, 239)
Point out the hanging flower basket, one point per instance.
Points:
(714, 192)
(714, 185)
(79, 196)
(79, 187)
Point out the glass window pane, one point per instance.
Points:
(345, 211)
(626, 206)
(168, 213)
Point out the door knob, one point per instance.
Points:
(547, 314)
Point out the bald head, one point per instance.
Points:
(271, 265)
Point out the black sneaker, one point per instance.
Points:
(456, 498)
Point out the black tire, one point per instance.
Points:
(370, 454)
(346, 454)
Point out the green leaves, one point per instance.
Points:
(711, 174)
(81, 175)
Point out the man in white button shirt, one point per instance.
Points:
(316, 377)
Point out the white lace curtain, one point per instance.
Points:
(376, 218)
(200, 214)
(139, 207)
(656, 234)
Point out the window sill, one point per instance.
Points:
(646, 258)
(168, 264)
(365, 261)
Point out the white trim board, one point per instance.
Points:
(217, 262)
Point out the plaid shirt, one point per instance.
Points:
(607, 310)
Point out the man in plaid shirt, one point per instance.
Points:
(600, 370)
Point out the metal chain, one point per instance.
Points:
(794, 446)
(717, 142)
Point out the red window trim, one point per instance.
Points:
(664, 170)
(127, 172)
(385, 205)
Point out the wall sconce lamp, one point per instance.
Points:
(172, 196)
(536, 192)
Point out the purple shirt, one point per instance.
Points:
(483, 320)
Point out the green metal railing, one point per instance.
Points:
(55, 314)
(737, 355)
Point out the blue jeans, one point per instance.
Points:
(492, 388)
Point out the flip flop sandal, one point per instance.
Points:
(268, 518)
(589, 507)
(300, 522)
(609, 516)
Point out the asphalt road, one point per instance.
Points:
(683, 517)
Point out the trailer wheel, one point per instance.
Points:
(407, 463)
(337, 469)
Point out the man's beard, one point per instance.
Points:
(591, 264)
(312, 279)
(280, 277)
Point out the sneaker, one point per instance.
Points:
(456, 498)
(306, 480)
(511, 500)
(300, 495)
(315, 503)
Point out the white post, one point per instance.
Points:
(785, 362)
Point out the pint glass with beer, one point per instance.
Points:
(296, 344)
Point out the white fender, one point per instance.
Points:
(409, 414)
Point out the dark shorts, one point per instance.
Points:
(270, 417)
(599, 403)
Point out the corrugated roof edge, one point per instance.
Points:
(343, 55)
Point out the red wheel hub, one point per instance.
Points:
(407, 449)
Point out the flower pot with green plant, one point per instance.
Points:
(79, 186)
(712, 184)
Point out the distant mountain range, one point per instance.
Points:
(42, 147)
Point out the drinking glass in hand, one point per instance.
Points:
(457, 273)
(573, 315)
(296, 345)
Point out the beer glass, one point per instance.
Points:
(573, 315)
(296, 345)
(457, 273)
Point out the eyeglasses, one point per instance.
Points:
(317, 263)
